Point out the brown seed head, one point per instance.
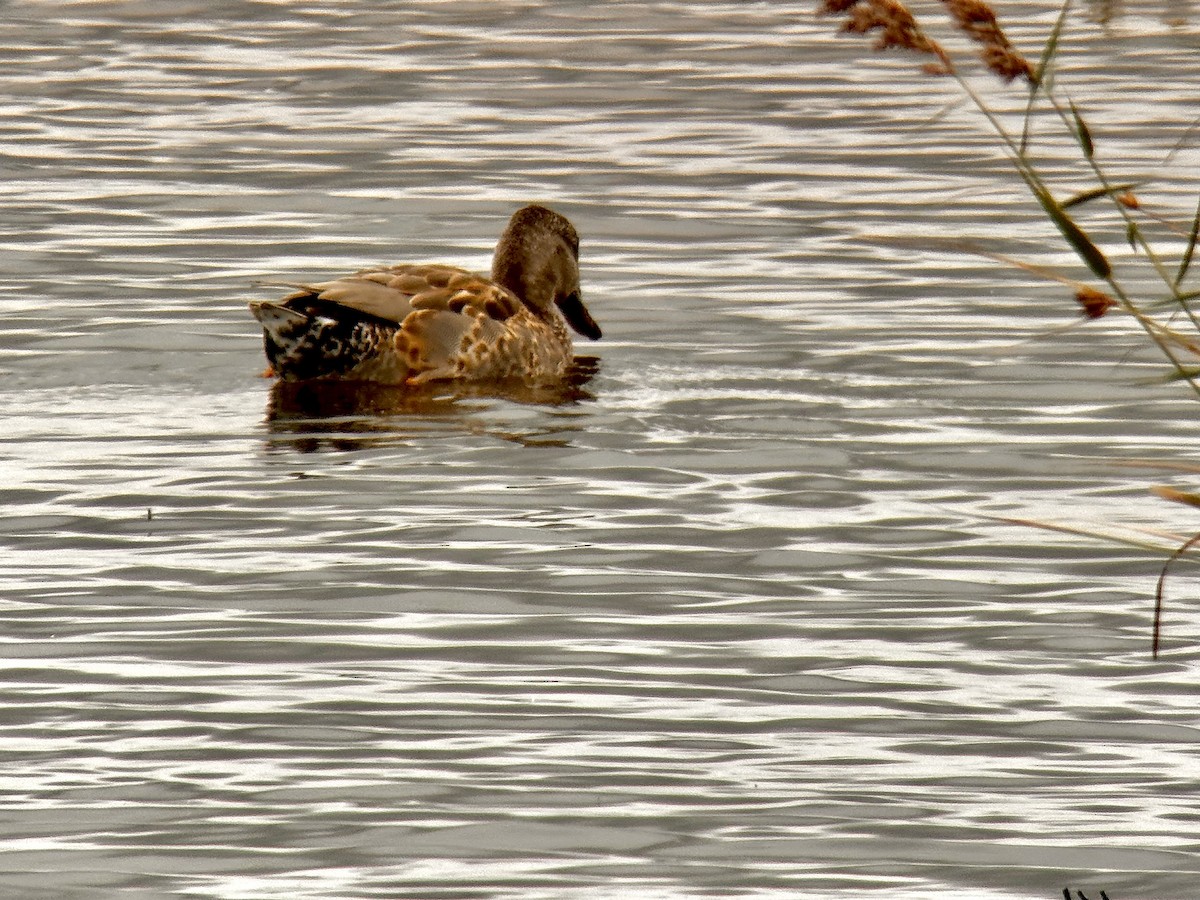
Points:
(978, 21)
(1006, 63)
(1129, 200)
(897, 27)
(972, 16)
(1095, 303)
(835, 7)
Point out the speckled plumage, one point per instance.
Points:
(412, 324)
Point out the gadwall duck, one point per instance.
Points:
(413, 324)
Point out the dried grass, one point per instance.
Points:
(978, 21)
(1174, 336)
(899, 29)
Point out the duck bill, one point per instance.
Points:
(577, 316)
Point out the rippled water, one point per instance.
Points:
(735, 623)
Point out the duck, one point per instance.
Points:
(428, 323)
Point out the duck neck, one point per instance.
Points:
(526, 266)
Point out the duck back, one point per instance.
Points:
(419, 323)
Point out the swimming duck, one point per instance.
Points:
(413, 324)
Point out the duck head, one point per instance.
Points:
(538, 260)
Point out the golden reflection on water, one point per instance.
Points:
(313, 415)
(746, 635)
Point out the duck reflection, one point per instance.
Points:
(341, 415)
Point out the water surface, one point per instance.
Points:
(739, 621)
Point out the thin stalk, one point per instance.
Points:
(1186, 261)
(1038, 187)
(1131, 223)
(1151, 327)
(1048, 53)
(1158, 593)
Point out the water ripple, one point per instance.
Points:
(734, 617)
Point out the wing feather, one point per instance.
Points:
(444, 313)
(430, 338)
(366, 297)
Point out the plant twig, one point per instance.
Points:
(1158, 591)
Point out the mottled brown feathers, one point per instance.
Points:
(417, 323)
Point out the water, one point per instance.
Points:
(741, 622)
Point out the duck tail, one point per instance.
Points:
(287, 334)
(276, 318)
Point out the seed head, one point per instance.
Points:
(1095, 303)
(897, 27)
(977, 20)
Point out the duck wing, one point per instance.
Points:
(392, 293)
(443, 314)
(455, 319)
